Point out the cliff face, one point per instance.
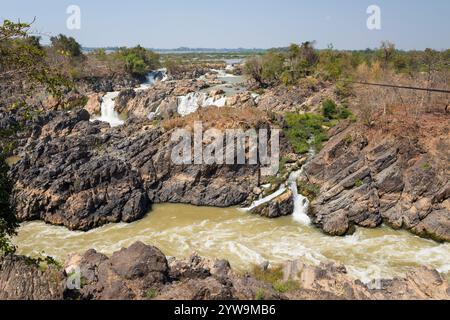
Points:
(83, 174)
(398, 175)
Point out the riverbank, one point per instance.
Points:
(143, 272)
(217, 233)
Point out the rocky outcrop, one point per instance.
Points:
(160, 95)
(83, 174)
(93, 104)
(329, 281)
(283, 98)
(192, 71)
(106, 84)
(282, 205)
(123, 98)
(129, 274)
(23, 279)
(399, 177)
(143, 272)
(244, 99)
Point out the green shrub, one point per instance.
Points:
(345, 113)
(309, 190)
(274, 276)
(260, 295)
(329, 109)
(151, 294)
(359, 183)
(283, 287)
(305, 131)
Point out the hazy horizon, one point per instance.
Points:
(240, 24)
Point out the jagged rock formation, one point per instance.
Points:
(162, 93)
(143, 272)
(22, 279)
(83, 174)
(282, 205)
(398, 176)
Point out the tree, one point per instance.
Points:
(138, 60)
(301, 60)
(67, 46)
(386, 52)
(253, 68)
(8, 220)
(272, 67)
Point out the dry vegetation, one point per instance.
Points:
(221, 118)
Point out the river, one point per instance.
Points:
(244, 239)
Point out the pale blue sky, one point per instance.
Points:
(413, 24)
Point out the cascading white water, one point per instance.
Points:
(108, 113)
(301, 203)
(191, 102)
(107, 109)
(152, 78)
(223, 73)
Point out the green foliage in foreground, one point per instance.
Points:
(273, 276)
(8, 220)
(151, 294)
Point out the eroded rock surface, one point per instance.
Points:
(83, 174)
(397, 177)
(143, 272)
(22, 279)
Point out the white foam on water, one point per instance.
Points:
(107, 108)
(179, 230)
(193, 101)
(108, 112)
(262, 201)
(301, 203)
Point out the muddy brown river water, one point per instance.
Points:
(243, 239)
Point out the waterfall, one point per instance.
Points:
(301, 203)
(152, 78)
(191, 102)
(108, 113)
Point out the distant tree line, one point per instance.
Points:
(289, 65)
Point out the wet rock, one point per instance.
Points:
(123, 98)
(93, 104)
(139, 261)
(337, 224)
(282, 205)
(141, 272)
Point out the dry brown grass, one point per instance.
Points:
(380, 104)
(220, 118)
